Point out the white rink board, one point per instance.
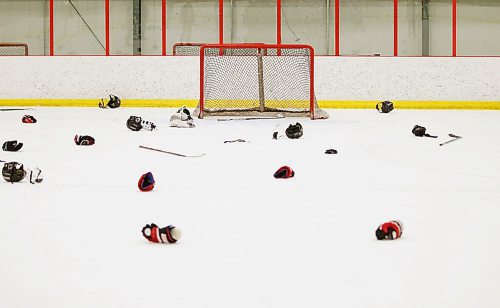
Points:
(336, 78)
(250, 240)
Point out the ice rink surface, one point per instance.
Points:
(250, 240)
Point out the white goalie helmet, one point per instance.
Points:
(185, 114)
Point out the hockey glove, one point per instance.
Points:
(12, 146)
(385, 107)
(419, 131)
(28, 119)
(134, 123)
(294, 131)
(169, 234)
(84, 140)
(284, 172)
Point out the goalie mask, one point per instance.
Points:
(146, 182)
(185, 114)
(13, 172)
(385, 106)
(294, 131)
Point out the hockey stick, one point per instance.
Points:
(279, 116)
(455, 138)
(14, 109)
(168, 152)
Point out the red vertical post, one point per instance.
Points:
(221, 21)
(337, 27)
(106, 9)
(164, 27)
(202, 77)
(395, 27)
(51, 27)
(311, 84)
(278, 22)
(454, 27)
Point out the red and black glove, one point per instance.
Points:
(169, 234)
(28, 119)
(390, 230)
(84, 140)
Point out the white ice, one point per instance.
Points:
(250, 240)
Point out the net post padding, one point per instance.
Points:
(13, 49)
(257, 79)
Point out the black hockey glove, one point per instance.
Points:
(12, 146)
(134, 123)
(114, 102)
(385, 106)
(419, 131)
(294, 131)
(84, 140)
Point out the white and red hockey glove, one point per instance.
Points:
(169, 234)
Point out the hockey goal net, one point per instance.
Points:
(257, 79)
(187, 49)
(13, 49)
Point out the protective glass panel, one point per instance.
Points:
(366, 27)
(478, 27)
(79, 27)
(23, 21)
(440, 29)
(410, 28)
(150, 39)
(305, 22)
(253, 21)
(192, 22)
(121, 25)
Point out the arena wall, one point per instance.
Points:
(340, 82)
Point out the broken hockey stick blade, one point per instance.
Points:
(168, 152)
(455, 138)
(279, 116)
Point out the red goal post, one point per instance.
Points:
(256, 79)
(13, 49)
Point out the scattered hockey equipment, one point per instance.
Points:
(84, 140)
(146, 182)
(13, 172)
(182, 118)
(168, 152)
(294, 131)
(455, 138)
(419, 131)
(284, 172)
(278, 116)
(236, 140)
(137, 123)
(35, 176)
(12, 146)
(390, 230)
(28, 119)
(114, 102)
(384, 107)
(169, 234)
(331, 151)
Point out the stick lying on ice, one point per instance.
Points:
(278, 116)
(455, 138)
(168, 152)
